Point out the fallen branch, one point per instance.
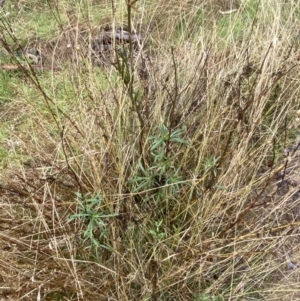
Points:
(16, 67)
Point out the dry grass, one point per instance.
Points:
(197, 199)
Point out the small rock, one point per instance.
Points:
(292, 266)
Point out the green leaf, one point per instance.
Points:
(157, 144)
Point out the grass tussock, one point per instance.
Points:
(165, 168)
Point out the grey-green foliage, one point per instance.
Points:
(164, 170)
(211, 165)
(158, 232)
(91, 211)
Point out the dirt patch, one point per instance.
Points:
(74, 44)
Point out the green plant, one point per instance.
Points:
(95, 218)
(158, 233)
(211, 165)
(163, 171)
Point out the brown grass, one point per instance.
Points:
(214, 216)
